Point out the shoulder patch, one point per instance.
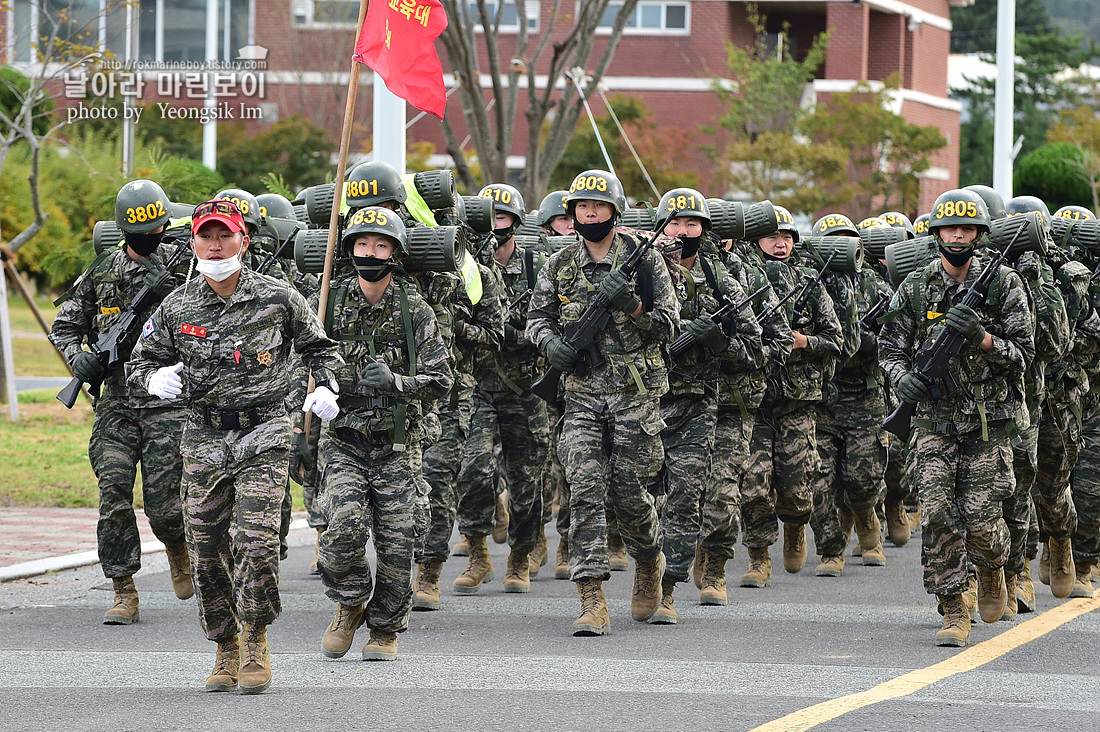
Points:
(148, 328)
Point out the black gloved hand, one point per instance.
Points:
(708, 334)
(460, 328)
(378, 376)
(301, 459)
(511, 334)
(620, 291)
(561, 355)
(86, 367)
(158, 278)
(911, 389)
(964, 320)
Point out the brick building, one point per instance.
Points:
(669, 56)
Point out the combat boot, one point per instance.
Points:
(794, 547)
(382, 646)
(595, 619)
(847, 521)
(970, 598)
(832, 566)
(539, 554)
(897, 524)
(561, 560)
(1044, 565)
(914, 519)
(956, 622)
(1012, 605)
(874, 557)
(341, 631)
(500, 518)
(665, 614)
(867, 529)
(316, 551)
(1082, 584)
(1062, 572)
(255, 675)
(125, 609)
(617, 557)
(518, 578)
(427, 586)
(1025, 590)
(760, 568)
(461, 549)
(714, 580)
(226, 666)
(646, 595)
(992, 594)
(479, 569)
(697, 566)
(179, 565)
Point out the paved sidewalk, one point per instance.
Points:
(28, 534)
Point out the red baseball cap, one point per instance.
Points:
(218, 210)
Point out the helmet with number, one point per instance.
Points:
(899, 221)
(506, 199)
(551, 206)
(374, 220)
(596, 185)
(786, 222)
(920, 224)
(835, 224)
(1076, 213)
(141, 206)
(959, 207)
(683, 202)
(246, 202)
(994, 202)
(1023, 204)
(873, 222)
(272, 204)
(374, 182)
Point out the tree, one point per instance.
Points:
(294, 148)
(1081, 128)
(551, 114)
(1053, 172)
(974, 28)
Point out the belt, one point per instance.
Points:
(237, 419)
(373, 402)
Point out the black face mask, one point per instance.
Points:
(143, 244)
(503, 235)
(372, 269)
(594, 232)
(957, 259)
(690, 246)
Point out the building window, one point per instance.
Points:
(651, 17)
(509, 16)
(326, 13)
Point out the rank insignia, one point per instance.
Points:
(264, 357)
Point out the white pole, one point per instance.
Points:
(1003, 100)
(389, 126)
(210, 129)
(128, 147)
(9, 362)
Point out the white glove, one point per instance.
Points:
(165, 382)
(322, 402)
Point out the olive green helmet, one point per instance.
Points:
(1023, 204)
(274, 205)
(959, 207)
(920, 224)
(835, 224)
(141, 206)
(506, 199)
(899, 221)
(248, 205)
(684, 202)
(994, 202)
(375, 220)
(552, 205)
(374, 182)
(597, 185)
(786, 222)
(1075, 213)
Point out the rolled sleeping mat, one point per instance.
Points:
(1080, 234)
(301, 212)
(760, 221)
(430, 249)
(907, 256)
(727, 219)
(849, 252)
(480, 213)
(637, 218)
(309, 250)
(319, 203)
(557, 243)
(182, 210)
(1034, 239)
(876, 239)
(105, 235)
(529, 227)
(437, 188)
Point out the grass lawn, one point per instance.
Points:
(32, 353)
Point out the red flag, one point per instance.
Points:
(398, 42)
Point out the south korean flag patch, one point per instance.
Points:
(148, 328)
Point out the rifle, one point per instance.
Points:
(582, 333)
(870, 320)
(932, 365)
(106, 346)
(686, 340)
(270, 257)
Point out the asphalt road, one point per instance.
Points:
(507, 662)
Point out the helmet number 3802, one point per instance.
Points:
(148, 212)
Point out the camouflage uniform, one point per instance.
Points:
(130, 425)
(783, 453)
(507, 414)
(961, 458)
(372, 449)
(236, 353)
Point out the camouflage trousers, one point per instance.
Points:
(610, 443)
(369, 493)
(314, 518)
(121, 438)
(854, 454)
(688, 439)
(1085, 485)
(721, 508)
(963, 483)
(554, 476)
(1058, 447)
(1018, 507)
(896, 479)
(517, 423)
(233, 485)
(776, 482)
(441, 464)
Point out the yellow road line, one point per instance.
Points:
(914, 681)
